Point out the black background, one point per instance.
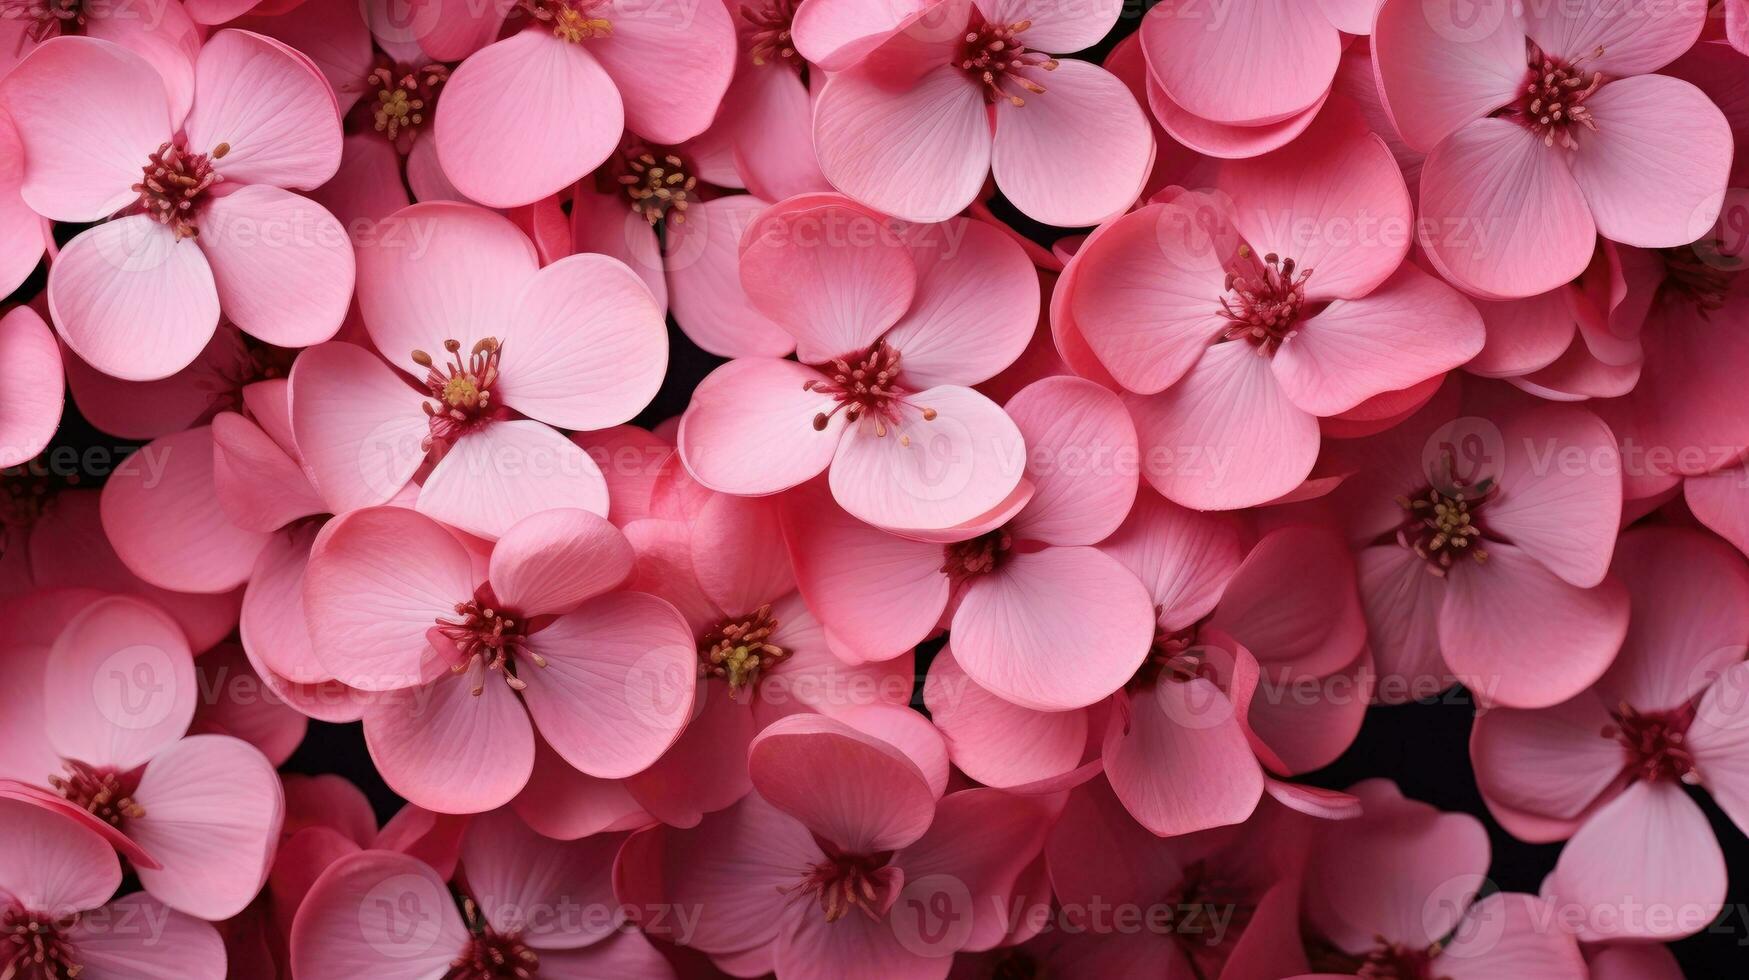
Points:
(1424, 747)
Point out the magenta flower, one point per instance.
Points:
(1608, 768)
(891, 325)
(473, 652)
(200, 217)
(1545, 129)
(918, 113)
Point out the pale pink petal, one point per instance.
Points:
(920, 153)
(1006, 628)
(994, 741)
(378, 580)
(21, 247)
(852, 789)
(1148, 291)
(1524, 335)
(523, 117)
(1553, 762)
(1293, 602)
(461, 744)
(1441, 65)
(178, 947)
(976, 303)
(1508, 936)
(1403, 598)
(1561, 509)
(584, 347)
(1334, 202)
(1619, 40)
(835, 34)
(1654, 172)
(1501, 214)
(379, 913)
(552, 561)
(564, 804)
(1518, 636)
(1079, 439)
(1720, 500)
(1222, 140)
(122, 683)
(1412, 328)
(259, 486)
(282, 265)
(703, 265)
(131, 300)
(52, 864)
(497, 475)
(1258, 65)
(622, 663)
(1180, 761)
(772, 133)
(625, 953)
(167, 39)
(164, 517)
(1649, 849)
(671, 61)
(240, 703)
(270, 106)
(706, 769)
(368, 186)
(31, 386)
(522, 882)
(332, 33)
(1076, 154)
(84, 145)
(357, 424)
(928, 474)
(1689, 618)
(1226, 435)
(213, 807)
(1183, 557)
(738, 553)
(750, 427)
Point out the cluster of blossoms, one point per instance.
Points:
(1085, 443)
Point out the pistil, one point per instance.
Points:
(976, 557)
(1264, 300)
(995, 56)
(485, 634)
(174, 183)
(463, 389)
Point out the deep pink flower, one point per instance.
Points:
(841, 863)
(1545, 129)
(520, 901)
(101, 719)
(523, 117)
(1241, 79)
(1241, 318)
(456, 293)
(56, 912)
(919, 112)
(203, 216)
(891, 324)
(1608, 767)
(467, 646)
(1395, 892)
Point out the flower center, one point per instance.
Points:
(484, 634)
(1174, 655)
(845, 882)
(1441, 523)
(1264, 300)
(865, 385)
(973, 558)
(1552, 103)
(657, 185)
(46, 18)
(1700, 273)
(571, 20)
(404, 103)
(489, 954)
(175, 182)
(104, 793)
(1385, 961)
(26, 490)
(1198, 906)
(463, 389)
(770, 42)
(1655, 742)
(994, 56)
(33, 947)
(739, 650)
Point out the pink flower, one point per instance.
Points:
(57, 877)
(455, 293)
(22, 233)
(32, 389)
(891, 324)
(520, 901)
(1484, 551)
(1241, 79)
(204, 219)
(766, 122)
(918, 113)
(1394, 892)
(523, 117)
(1239, 325)
(842, 863)
(467, 646)
(1608, 768)
(1547, 129)
(1027, 582)
(101, 720)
